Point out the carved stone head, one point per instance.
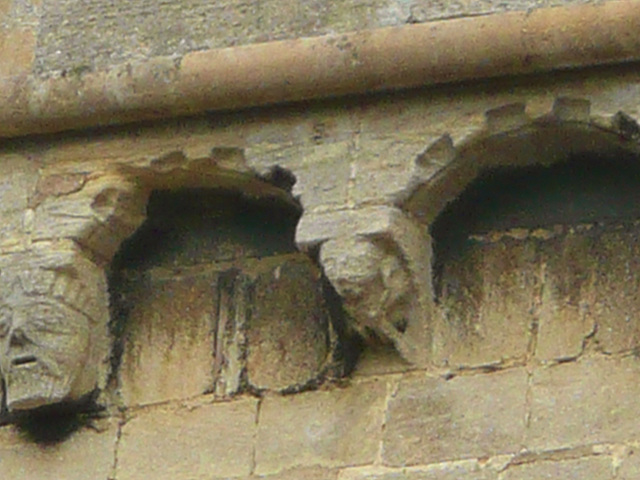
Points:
(53, 341)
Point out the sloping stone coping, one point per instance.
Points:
(307, 68)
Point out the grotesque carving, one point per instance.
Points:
(378, 260)
(53, 338)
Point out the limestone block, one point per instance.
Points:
(99, 214)
(169, 336)
(316, 228)
(54, 343)
(616, 307)
(463, 470)
(312, 473)
(324, 428)
(17, 50)
(88, 453)
(593, 468)
(432, 420)
(630, 468)
(323, 179)
(261, 323)
(5, 6)
(572, 109)
(12, 235)
(573, 282)
(593, 400)
(385, 170)
(487, 304)
(506, 117)
(568, 296)
(289, 334)
(197, 443)
(18, 177)
(230, 355)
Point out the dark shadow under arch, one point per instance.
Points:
(526, 179)
(584, 189)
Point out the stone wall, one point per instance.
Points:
(525, 368)
(526, 421)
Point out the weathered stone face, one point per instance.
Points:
(44, 348)
(53, 327)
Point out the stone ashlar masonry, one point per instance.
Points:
(523, 402)
(570, 413)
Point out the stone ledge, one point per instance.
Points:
(292, 70)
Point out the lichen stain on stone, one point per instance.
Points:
(586, 277)
(487, 299)
(570, 265)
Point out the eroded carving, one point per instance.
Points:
(378, 260)
(53, 327)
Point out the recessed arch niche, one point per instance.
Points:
(211, 295)
(535, 251)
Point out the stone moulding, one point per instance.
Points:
(359, 62)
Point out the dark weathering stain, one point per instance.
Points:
(583, 189)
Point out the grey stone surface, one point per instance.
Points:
(487, 299)
(630, 468)
(617, 291)
(325, 428)
(568, 296)
(313, 473)
(432, 420)
(323, 179)
(386, 170)
(88, 453)
(463, 470)
(97, 213)
(170, 330)
(289, 333)
(19, 177)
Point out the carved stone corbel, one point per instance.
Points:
(378, 260)
(54, 304)
(54, 343)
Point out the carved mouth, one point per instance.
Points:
(23, 360)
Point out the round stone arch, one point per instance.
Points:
(511, 143)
